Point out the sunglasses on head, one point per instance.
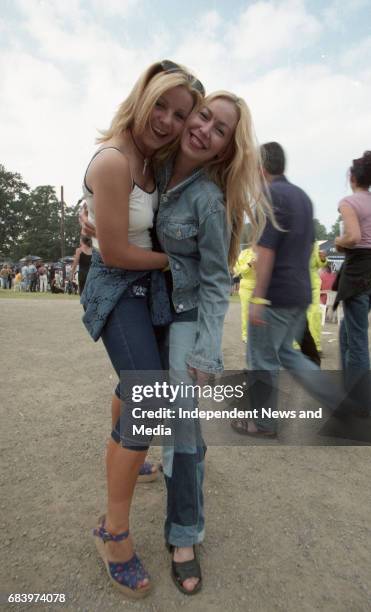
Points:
(169, 67)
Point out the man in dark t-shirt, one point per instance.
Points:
(277, 312)
(289, 285)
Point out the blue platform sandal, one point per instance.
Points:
(125, 575)
(147, 473)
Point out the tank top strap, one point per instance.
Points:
(95, 155)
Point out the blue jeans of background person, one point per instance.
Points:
(184, 460)
(271, 347)
(354, 347)
(131, 345)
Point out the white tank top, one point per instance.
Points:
(142, 206)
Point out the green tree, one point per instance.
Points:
(320, 232)
(14, 193)
(335, 229)
(41, 225)
(30, 221)
(72, 228)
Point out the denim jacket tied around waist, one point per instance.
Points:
(105, 286)
(193, 231)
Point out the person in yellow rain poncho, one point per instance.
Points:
(245, 268)
(317, 261)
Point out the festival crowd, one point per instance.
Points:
(35, 276)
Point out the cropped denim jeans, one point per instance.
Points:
(131, 344)
(184, 460)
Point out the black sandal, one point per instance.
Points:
(181, 571)
(241, 427)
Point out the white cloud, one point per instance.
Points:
(357, 56)
(117, 8)
(66, 36)
(322, 120)
(266, 29)
(210, 21)
(337, 13)
(263, 35)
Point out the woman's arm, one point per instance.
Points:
(352, 230)
(213, 243)
(75, 262)
(110, 181)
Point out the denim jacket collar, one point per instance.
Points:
(178, 189)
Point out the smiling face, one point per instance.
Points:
(168, 117)
(209, 131)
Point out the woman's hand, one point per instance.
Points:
(87, 228)
(339, 248)
(201, 378)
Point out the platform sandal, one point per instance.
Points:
(181, 571)
(124, 575)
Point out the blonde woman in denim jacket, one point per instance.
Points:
(204, 194)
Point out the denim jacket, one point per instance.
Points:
(105, 286)
(193, 231)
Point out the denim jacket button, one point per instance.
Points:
(163, 198)
(177, 266)
(179, 233)
(179, 308)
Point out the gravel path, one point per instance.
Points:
(288, 528)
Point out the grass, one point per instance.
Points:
(22, 295)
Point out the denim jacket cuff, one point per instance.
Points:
(209, 366)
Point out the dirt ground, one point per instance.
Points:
(288, 528)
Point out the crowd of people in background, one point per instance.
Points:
(37, 276)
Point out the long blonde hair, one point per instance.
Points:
(154, 82)
(239, 175)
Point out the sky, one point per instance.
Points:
(303, 67)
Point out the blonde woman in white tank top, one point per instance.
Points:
(120, 189)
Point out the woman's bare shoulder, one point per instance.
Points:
(109, 156)
(109, 163)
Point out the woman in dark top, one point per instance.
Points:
(82, 259)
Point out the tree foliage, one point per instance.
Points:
(13, 198)
(335, 229)
(320, 232)
(30, 220)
